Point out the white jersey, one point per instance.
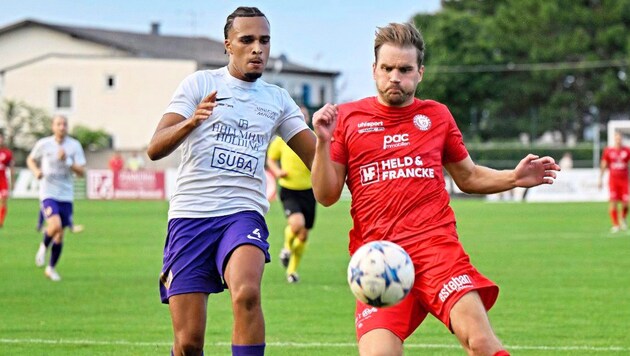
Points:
(57, 180)
(223, 160)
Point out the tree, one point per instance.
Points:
(92, 140)
(511, 66)
(22, 125)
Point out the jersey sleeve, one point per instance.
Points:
(187, 96)
(292, 120)
(79, 155)
(454, 148)
(36, 152)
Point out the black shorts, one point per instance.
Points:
(299, 201)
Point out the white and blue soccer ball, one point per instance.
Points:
(380, 273)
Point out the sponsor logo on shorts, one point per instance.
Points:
(456, 284)
(234, 161)
(255, 235)
(167, 279)
(364, 315)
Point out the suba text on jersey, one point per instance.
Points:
(395, 168)
(234, 161)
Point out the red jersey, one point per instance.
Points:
(394, 159)
(617, 160)
(6, 156)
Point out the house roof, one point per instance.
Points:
(208, 53)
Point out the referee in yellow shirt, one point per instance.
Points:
(296, 195)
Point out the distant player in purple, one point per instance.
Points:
(54, 160)
(223, 121)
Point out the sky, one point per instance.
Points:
(331, 35)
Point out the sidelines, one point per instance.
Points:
(310, 344)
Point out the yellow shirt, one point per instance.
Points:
(298, 176)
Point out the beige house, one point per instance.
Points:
(122, 81)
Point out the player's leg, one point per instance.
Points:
(188, 314)
(380, 342)
(243, 275)
(296, 222)
(3, 208)
(470, 323)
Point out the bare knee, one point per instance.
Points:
(480, 345)
(246, 297)
(188, 344)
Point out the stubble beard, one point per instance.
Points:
(252, 76)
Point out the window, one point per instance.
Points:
(306, 94)
(63, 98)
(110, 81)
(322, 95)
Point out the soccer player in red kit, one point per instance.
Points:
(6, 161)
(615, 159)
(390, 151)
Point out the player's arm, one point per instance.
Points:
(303, 144)
(272, 162)
(31, 163)
(77, 169)
(327, 176)
(174, 128)
(603, 165)
(530, 172)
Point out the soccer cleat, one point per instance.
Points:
(285, 255)
(40, 256)
(623, 225)
(293, 278)
(77, 229)
(614, 229)
(52, 274)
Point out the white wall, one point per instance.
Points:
(130, 111)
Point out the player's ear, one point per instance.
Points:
(228, 46)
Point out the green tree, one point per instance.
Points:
(509, 66)
(92, 140)
(22, 126)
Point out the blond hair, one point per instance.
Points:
(401, 35)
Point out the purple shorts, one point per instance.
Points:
(52, 207)
(197, 250)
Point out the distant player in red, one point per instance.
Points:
(390, 150)
(6, 161)
(615, 159)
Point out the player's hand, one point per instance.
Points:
(39, 175)
(325, 121)
(204, 109)
(534, 170)
(61, 154)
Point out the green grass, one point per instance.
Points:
(565, 284)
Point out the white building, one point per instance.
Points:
(122, 81)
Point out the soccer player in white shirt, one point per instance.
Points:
(223, 121)
(55, 160)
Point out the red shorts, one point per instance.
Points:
(443, 275)
(4, 187)
(618, 190)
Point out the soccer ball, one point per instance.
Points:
(380, 273)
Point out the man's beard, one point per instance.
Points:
(252, 76)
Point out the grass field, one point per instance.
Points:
(565, 284)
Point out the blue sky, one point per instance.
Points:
(327, 34)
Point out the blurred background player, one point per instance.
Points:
(54, 160)
(298, 201)
(390, 150)
(6, 162)
(217, 237)
(615, 160)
